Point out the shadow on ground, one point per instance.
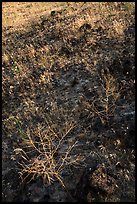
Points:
(49, 75)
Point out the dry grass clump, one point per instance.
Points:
(105, 102)
(105, 105)
(46, 155)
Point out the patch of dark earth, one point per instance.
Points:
(107, 143)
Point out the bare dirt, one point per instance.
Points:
(74, 65)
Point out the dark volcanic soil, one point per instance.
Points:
(55, 74)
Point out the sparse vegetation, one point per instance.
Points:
(68, 98)
(50, 161)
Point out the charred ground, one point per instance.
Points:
(68, 105)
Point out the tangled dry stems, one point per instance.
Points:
(108, 98)
(50, 160)
(108, 95)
